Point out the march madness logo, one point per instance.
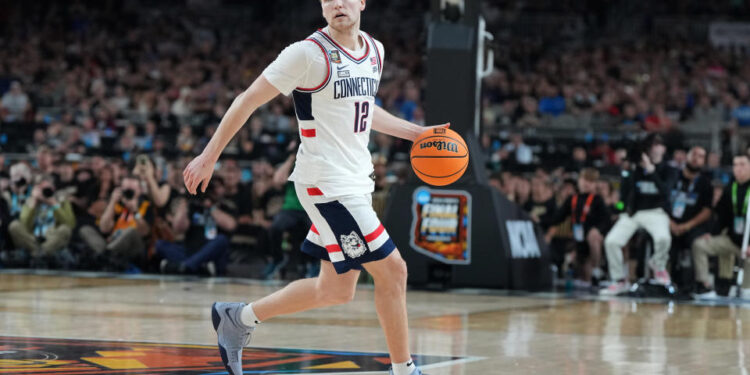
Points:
(441, 228)
(25, 355)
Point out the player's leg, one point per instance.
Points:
(389, 275)
(235, 322)
(328, 289)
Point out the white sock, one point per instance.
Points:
(247, 316)
(405, 368)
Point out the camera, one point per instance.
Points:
(142, 159)
(128, 194)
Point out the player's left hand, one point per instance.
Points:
(198, 171)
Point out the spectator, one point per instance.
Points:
(4, 223)
(291, 219)
(124, 226)
(690, 204)
(730, 217)
(20, 188)
(14, 104)
(589, 219)
(46, 222)
(517, 153)
(645, 194)
(542, 203)
(201, 231)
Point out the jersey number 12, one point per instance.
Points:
(361, 110)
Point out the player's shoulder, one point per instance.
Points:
(377, 42)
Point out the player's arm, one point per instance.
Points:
(201, 168)
(387, 123)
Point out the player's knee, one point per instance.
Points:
(394, 282)
(401, 272)
(337, 297)
(335, 294)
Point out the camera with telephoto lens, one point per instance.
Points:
(128, 194)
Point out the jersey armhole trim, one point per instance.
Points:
(328, 70)
(377, 52)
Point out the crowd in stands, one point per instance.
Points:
(102, 106)
(103, 103)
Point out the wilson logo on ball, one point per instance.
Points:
(440, 145)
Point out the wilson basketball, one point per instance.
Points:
(439, 156)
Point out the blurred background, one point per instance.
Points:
(104, 102)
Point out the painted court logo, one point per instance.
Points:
(26, 355)
(440, 145)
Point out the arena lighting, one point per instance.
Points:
(452, 10)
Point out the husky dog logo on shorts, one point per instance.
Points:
(352, 245)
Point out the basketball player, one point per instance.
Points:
(333, 76)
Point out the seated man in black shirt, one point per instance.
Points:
(690, 204)
(645, 192)
(201, 228)
(727, 231)
(589, 219)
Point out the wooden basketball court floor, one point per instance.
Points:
(131, 325)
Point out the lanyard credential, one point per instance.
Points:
(734, 199)
(584, 211)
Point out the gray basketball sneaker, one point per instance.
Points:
(416, 371)
(233, 334)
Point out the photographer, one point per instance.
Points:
(127, 223)
(645, 193)
(690, 204)
(20, 188)
(144, 169)
(45, 223)
(726, 237)
(201, 229)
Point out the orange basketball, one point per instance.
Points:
(439, 156)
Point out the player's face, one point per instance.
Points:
(342, 14)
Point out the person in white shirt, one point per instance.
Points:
(333, 76)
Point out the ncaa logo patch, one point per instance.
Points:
(335, 57)
(352, 245)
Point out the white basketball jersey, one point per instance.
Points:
(335, 120)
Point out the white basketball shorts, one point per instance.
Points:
(345, 230)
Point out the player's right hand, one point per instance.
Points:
(198, 171)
